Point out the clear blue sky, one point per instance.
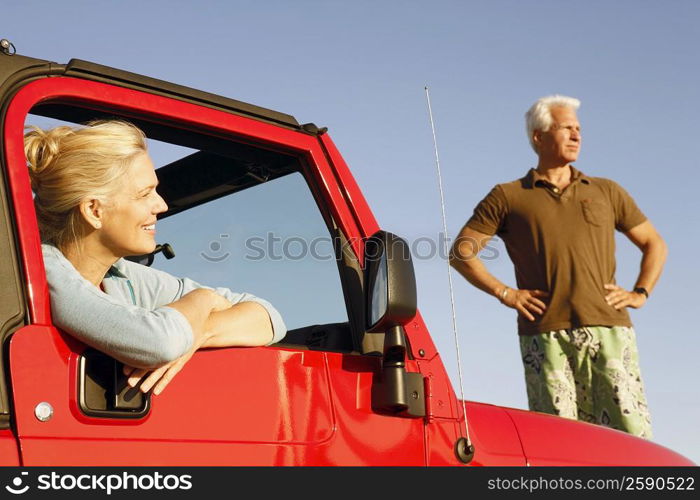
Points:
(360, 68)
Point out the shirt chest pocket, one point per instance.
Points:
(595, 211)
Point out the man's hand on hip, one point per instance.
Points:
(619, 297)
(526, 302)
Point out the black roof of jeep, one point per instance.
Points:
(16, 70)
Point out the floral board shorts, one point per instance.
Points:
(589, 373)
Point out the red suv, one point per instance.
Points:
(356, 381)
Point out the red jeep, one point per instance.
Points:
(356, 381)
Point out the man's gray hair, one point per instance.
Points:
(539, 116)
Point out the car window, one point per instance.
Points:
(268, 237)
(269, 240)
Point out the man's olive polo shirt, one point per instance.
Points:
(561, 242)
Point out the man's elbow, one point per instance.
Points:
(658, 247)
(452, 258)
(456, 259)
(663, 248)
(462, 256)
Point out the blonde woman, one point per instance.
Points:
(96, 202)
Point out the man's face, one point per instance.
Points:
(562, 142)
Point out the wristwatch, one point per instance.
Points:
(643, 290)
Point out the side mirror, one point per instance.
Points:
(391, 282)
(391, 303)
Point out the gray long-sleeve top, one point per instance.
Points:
(130, 320)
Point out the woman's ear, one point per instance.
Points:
(93, 212)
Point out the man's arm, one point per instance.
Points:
(654, 251)
(464, 257)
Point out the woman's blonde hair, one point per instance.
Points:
(69, 165)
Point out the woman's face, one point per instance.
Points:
(128, 226)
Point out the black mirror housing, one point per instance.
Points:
(391, 282)
(391, 303)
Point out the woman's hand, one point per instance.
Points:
(245, 324)
(159, 378)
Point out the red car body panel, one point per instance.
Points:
(550, 440)
(309, 408)
(257, 406)
(9, 455)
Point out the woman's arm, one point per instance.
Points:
(245, 324)
(197, 307)
(232, 329)
(157, 288)
(135, 335)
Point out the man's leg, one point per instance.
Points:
(548, 375)
(580, 348)
(618, 392)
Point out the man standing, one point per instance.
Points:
(577, 343)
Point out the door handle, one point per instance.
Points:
(103, 390)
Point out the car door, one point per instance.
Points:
(305, 400)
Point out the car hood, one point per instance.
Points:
(551, 440)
